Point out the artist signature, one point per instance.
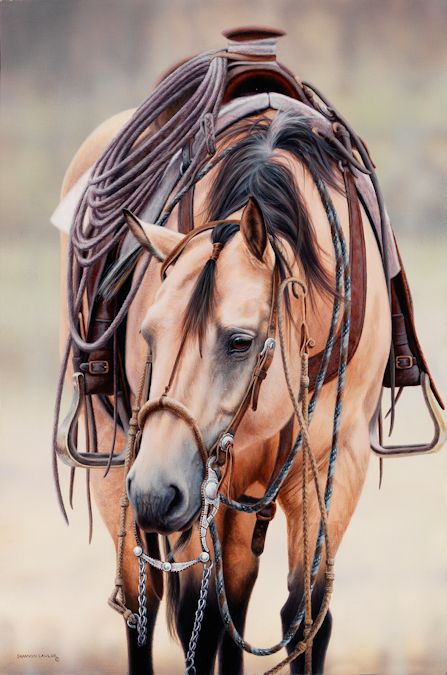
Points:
(41, 655)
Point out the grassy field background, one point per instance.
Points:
(67, 65)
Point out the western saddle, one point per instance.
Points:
(257, 81)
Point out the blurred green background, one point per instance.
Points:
(66, 66)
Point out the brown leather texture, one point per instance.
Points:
(249, 78)
(98, 367)
(405, 340)
(357, 259)
(266, 515)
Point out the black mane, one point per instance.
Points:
(255, 169)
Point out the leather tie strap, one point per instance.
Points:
(217, 248)
(178, 250)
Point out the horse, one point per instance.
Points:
(209, 316)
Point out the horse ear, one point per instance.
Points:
(157, 240)
(253, 229)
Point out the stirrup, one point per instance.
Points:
(66, 437)
(439, 437)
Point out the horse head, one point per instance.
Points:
(207, 332)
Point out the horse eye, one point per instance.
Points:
(238, 344)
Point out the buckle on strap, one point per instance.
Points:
(265, 358)
(95, 367)
(404, 362)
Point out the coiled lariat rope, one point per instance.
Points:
(128, 175)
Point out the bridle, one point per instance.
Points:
(220, 448)
(303, 409)
(214, 458)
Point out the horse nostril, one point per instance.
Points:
(175, 500)
(129, 485)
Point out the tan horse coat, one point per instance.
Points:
(254, 460)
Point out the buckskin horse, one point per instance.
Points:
(247, 340)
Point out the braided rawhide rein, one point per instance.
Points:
(342, 270)
(117, 600)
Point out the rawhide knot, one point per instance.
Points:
(217, 247)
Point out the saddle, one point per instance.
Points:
(256, 81)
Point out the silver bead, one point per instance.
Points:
(211, 489)
(226, 441)
(138, 551)
(166, 567)
(204, 557)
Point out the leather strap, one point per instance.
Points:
(264, 360)
(266, 515)
(357, 261)
(185, 220)
(410, 360)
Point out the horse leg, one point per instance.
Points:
(321, 639)
(188, 592)
(107, 492)
(139, 659)
(351, 470)
(241, 570)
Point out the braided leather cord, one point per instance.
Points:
(342, 262)
(342, 269)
